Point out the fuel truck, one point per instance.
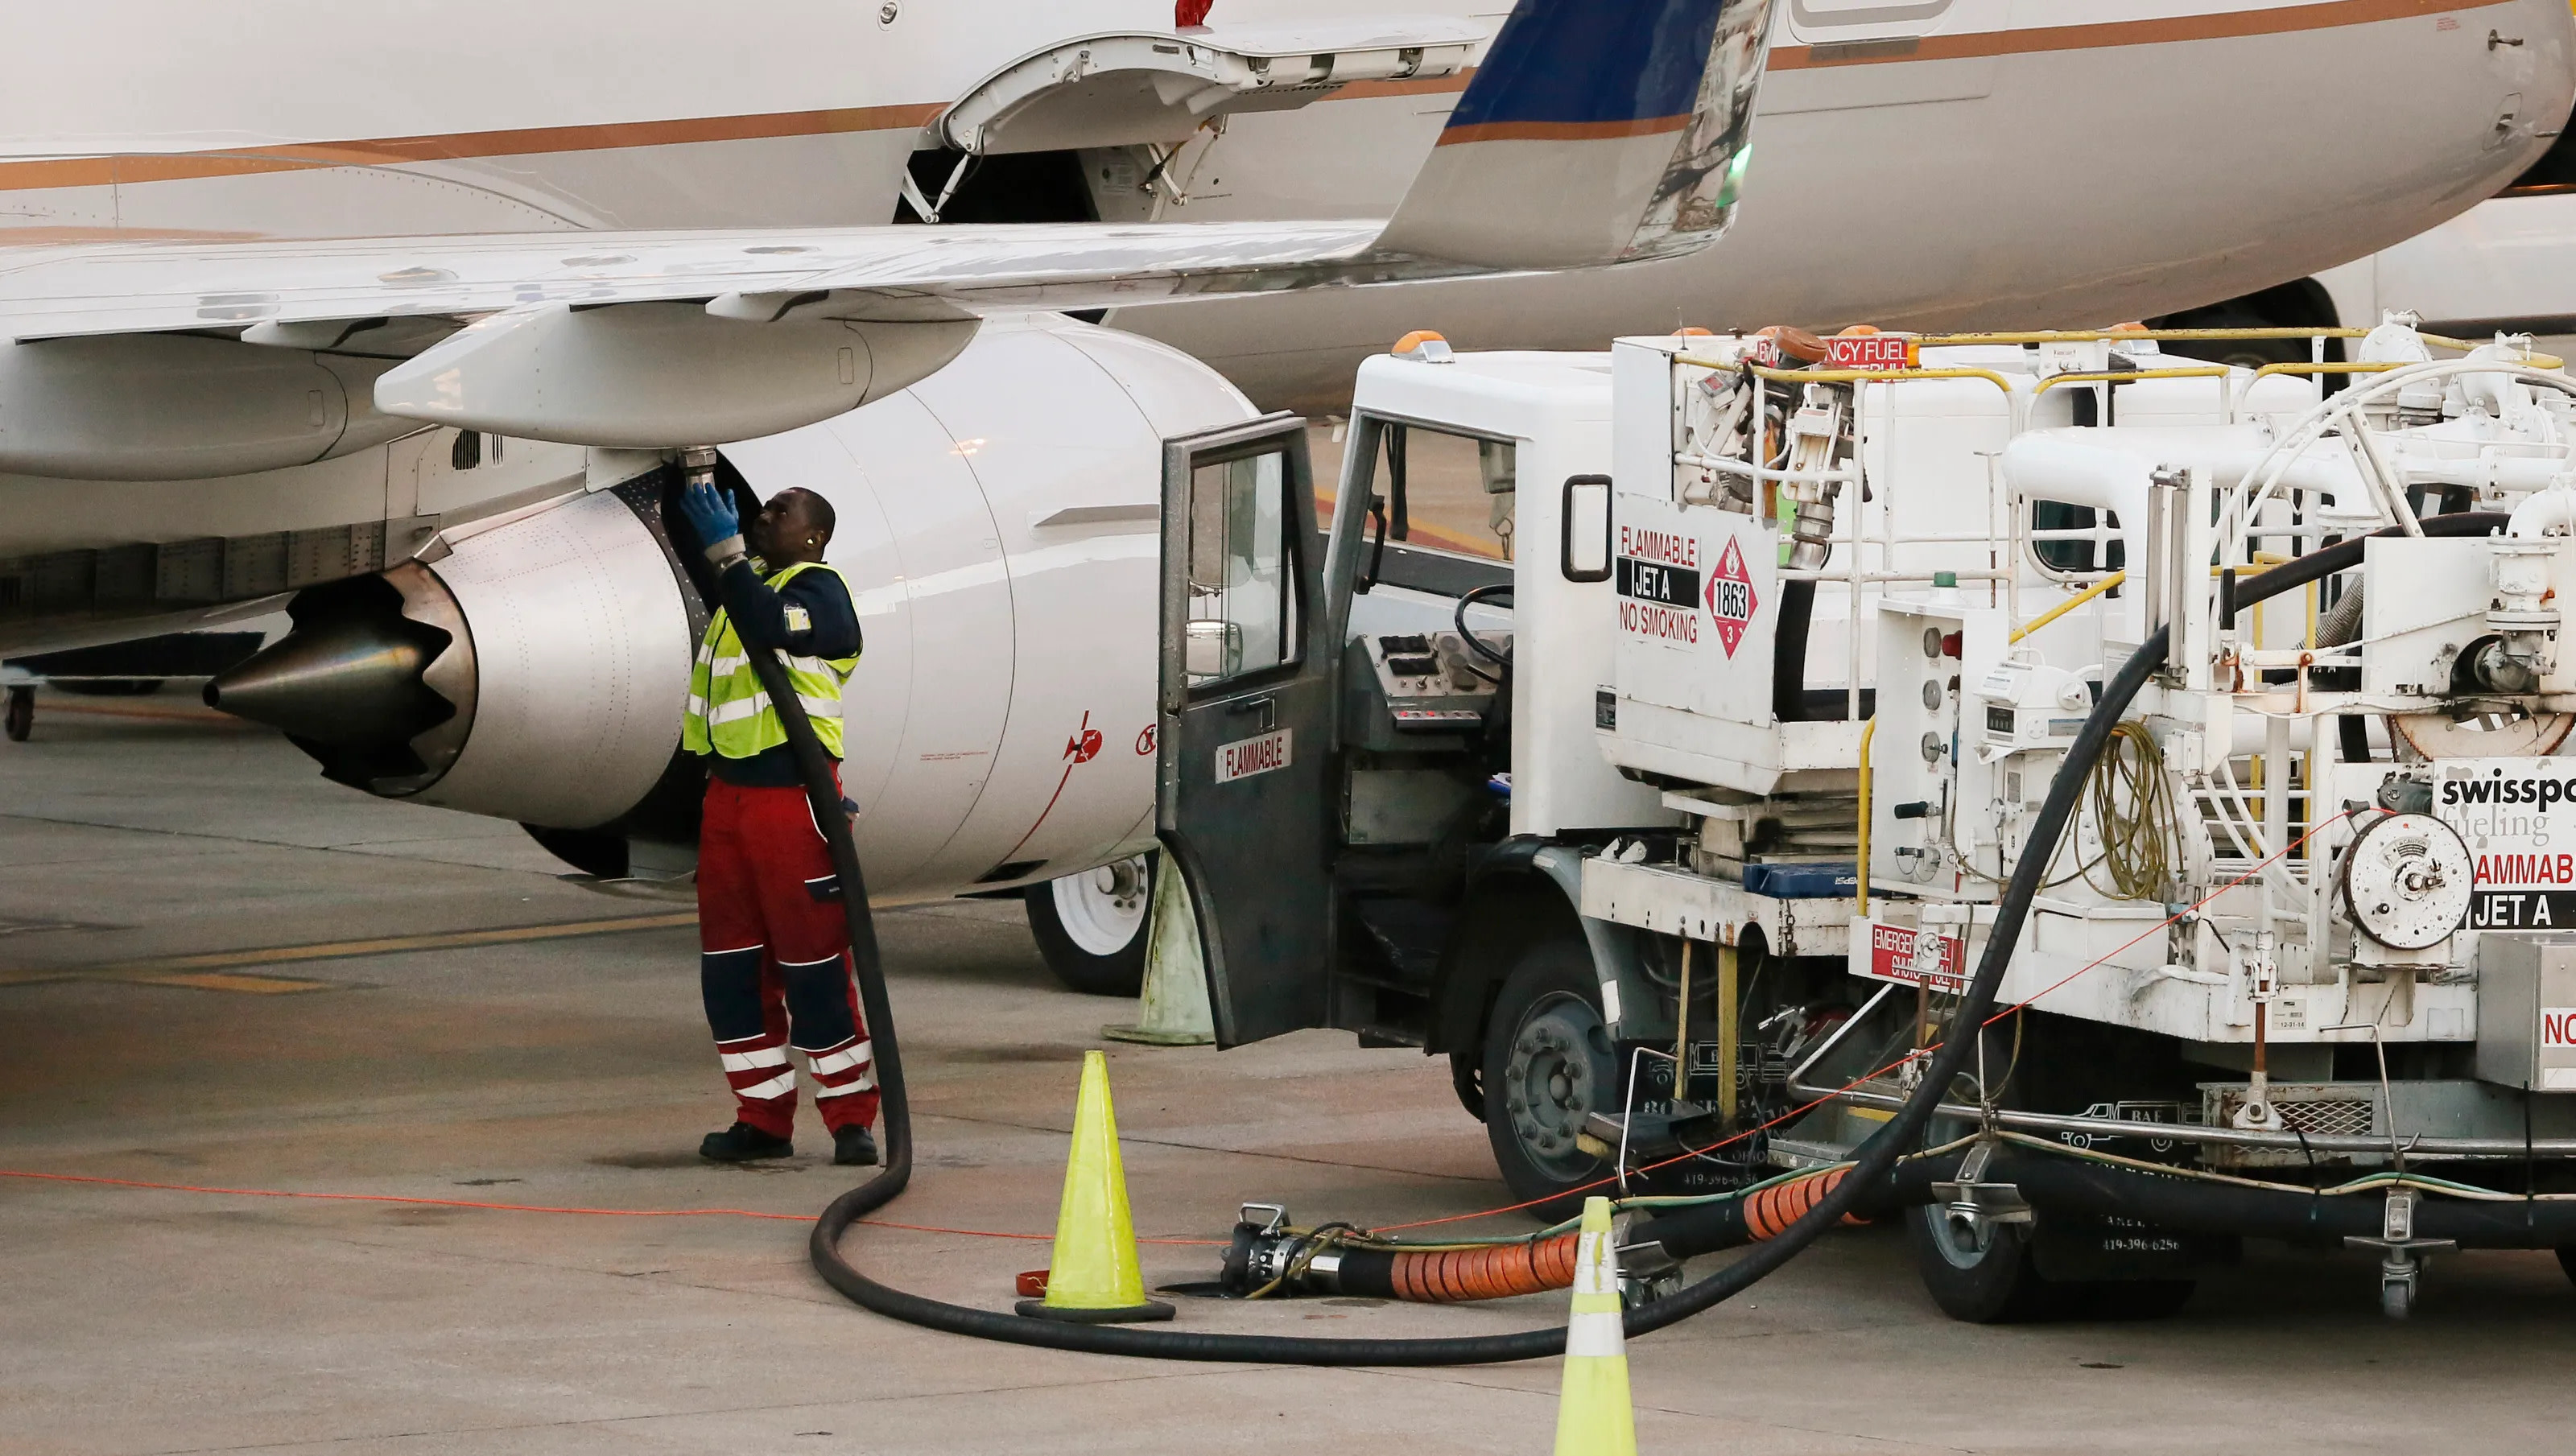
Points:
(1680, 832)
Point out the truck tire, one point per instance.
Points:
(22, 713)
(1549, 1062)
(2567, 1261)
(1090, 927)
(1993, 1285)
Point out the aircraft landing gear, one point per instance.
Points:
(1091, 926)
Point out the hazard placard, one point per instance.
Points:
(1731, 602)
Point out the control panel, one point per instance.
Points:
(1431, 681)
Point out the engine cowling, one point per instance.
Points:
(528, 673)
(999, 523)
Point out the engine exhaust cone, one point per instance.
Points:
(346, 683)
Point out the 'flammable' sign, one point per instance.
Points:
(2518, 817)
(1661, 589)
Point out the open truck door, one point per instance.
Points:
(1245, 801)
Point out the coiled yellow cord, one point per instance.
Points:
(2134, 812)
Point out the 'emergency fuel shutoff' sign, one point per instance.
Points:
(2518, 818)
(1866, 351)
(1252, 756)
(1899, 954)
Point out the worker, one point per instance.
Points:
(774, 961)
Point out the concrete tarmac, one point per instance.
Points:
(143, 841)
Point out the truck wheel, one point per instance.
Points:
(1549, 1063)
(22, 713)
(1993, 1285)
(2567, 1260)
(1091, 926)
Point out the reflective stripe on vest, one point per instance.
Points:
(728, 712)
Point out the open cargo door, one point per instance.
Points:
(1244, 805)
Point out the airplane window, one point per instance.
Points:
(1243, 587)
(2554, 172)
(1446, 491)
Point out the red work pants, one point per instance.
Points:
(774, 962)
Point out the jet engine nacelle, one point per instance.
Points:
(999, 526)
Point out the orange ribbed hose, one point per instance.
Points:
(1499, 1271)
(1447, 1276)
(1769, 1211)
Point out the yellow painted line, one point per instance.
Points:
(227, 981)
(212, 971)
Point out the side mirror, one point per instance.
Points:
(1211, 648)
(1584, 522)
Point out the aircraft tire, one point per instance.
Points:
(1090, 927)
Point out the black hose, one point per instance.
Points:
(1877, 1157)
(1866, 1186)
(1789, 652)
(2345, 555)
(2188, 1205)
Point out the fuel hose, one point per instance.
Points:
(1864, 1186)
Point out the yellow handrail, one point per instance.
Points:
(1867, 731)
(2066, 606)
(1846, 376)
(2532, 357)
(2307, 368)
(2093, 336)
(2204, 371)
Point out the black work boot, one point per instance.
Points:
(741, 1143)
(854, 1147)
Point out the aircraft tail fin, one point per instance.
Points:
(1593, 132)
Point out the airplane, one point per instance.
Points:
(403, 348)
(1932, 164)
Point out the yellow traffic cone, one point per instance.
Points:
(1593, 1413)
(1093, 1278)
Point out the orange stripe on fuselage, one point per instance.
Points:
(461, 146)
(2111, 34)
(1560, 131)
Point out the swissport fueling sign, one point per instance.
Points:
(2518, 818)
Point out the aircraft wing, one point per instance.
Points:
(333, 294)
(1587, 138)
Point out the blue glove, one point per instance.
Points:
(710, 514)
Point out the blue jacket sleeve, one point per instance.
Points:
(760, 614)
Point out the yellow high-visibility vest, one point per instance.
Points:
(729, 712)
